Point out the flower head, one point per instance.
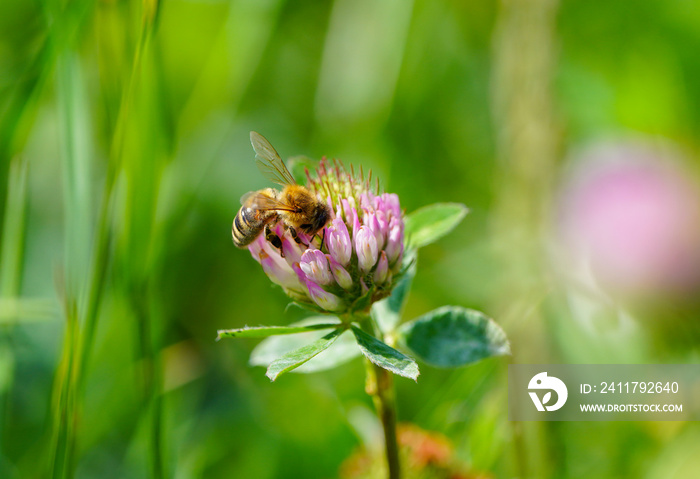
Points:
(354, 260)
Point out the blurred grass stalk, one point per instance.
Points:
(525, 124)
(362, 57)
(526, 143)
(11, 262)
(75, 157)
(84, 278)
(13, 230)
(144, 143)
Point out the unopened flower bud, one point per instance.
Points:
(292, 250)
(342, 277)
(279, 272)
(373, 223)
(380, 274)
(315, 266)
(323, 298)
(338, 241)
(351, 215)
(391, 201)
(366, 249)
(394, 246)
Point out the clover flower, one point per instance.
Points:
(354, 260)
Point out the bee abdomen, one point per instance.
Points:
(247, 225)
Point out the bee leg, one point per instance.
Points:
(294, 234)
(273, 239)
(323, 238)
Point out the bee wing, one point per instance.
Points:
(298, 166)
(245, 197)
(269, 161)
(263, 202)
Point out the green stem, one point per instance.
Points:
(380, 385)
(152, 378)
(63, 443)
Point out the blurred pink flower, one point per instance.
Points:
(424, 454)
(633, 217)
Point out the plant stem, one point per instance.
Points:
(382, 393)
(380, 385)
(152, 378)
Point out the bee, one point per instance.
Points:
(295, 206)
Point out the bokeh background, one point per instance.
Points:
(569, 128)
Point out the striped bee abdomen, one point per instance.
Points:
(248, 224)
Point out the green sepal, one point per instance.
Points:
(307, 306)
(363, 302)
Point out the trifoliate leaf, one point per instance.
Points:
(343, 350)
(452, 336)
(430, 223)
(265, 331)
(296, 358)
(385, 356)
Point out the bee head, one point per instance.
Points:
(319, 218)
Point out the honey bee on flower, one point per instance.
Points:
(295, 206)
(361, 233)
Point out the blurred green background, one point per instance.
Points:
(124, 151)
